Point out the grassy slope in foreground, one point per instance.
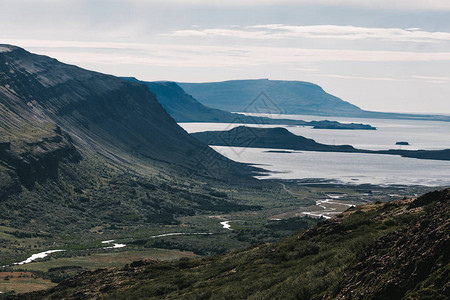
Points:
(377, 251)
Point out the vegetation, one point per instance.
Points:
(87, 157)
(360, 253)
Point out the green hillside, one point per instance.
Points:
(395, 250)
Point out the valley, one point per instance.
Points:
(97, 177)
(328, 256)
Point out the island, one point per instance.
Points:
(281, 138)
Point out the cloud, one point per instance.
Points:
(432, 79)
(358, 77)
(377, 4)
(212, 56)
(281, 31)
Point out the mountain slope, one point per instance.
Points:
(289, 97)
(284, 97)
(80, 148)
(94, 108)
(395, 250)
(184, 108)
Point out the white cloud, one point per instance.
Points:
(358, 77)
(379, 4)
(281, 31)
(432, 79)
(212, 56)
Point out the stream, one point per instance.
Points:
(34, 257)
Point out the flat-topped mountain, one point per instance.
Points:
(284, 97)
(289, 97)
(185, 108)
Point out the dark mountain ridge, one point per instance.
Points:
(285, 97)
(290, 97)
(80, 148)
(185, 108)
(95, 109)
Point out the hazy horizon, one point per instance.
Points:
(380, 55)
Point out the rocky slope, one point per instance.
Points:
(394, 250)
(94, 108)
(93, 147)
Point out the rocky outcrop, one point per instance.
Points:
(39, 159)
(400, 263)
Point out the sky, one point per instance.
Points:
(380, 55)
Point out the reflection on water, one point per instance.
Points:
(425, 135)
(355, 168)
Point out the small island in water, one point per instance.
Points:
(402, 143)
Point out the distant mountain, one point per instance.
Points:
(184, 108)
(284, 97)
(288, 97)
(87, 145)
(394, 250)
(281, 138)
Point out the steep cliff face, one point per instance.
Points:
(102, 113)
(38, 159)
(93, 107)
(95, 148)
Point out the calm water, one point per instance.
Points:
(350, 167)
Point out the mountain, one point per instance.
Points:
(393, 250)
(288, 97)
(184, 108)
(95, 109)
(81, 145)
(284, 97)
(281, 138)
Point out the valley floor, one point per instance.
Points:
(286, 207)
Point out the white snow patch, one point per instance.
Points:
(36, 256)
(108, 242)
(114, 246)
(226, 225)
